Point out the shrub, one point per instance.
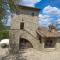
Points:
(4, 34)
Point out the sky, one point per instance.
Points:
(50, 11)
(7, 18)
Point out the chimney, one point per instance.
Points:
(51, 28)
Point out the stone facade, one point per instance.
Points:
(29, 17)
(50, 40)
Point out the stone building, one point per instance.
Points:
(24, 32)
(49, 39)
(23, 29)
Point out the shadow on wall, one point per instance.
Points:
(24, 43)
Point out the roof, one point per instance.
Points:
(26, 7)
(45, 33)
(29, 8)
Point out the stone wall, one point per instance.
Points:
(29, 31)
(58, 44)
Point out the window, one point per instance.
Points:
(22, 25)
(49, 44)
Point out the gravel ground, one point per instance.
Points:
(3, 51)
(32, 54)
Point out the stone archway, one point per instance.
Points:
(31, 39)
(24, 44)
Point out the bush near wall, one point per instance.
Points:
(4, 34)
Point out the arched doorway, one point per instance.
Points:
(24, 44)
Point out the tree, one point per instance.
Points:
(13, 6)
(4, 33)
(1, 10)
(1, 15)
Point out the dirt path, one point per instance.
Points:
(32, 54)
(3, 51)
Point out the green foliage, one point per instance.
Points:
(1, 10)
(12, 5)
(2, 27)
(4, 34)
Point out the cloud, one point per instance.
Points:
(44, 20)
(51, 10)
(49, 15)
(28, 2)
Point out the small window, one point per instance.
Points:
(49, 44)
(22, 25)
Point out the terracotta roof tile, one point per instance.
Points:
(44, 32)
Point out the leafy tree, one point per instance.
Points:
(13, 6)
(1, 10)
(1, 16)
(4, 33)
